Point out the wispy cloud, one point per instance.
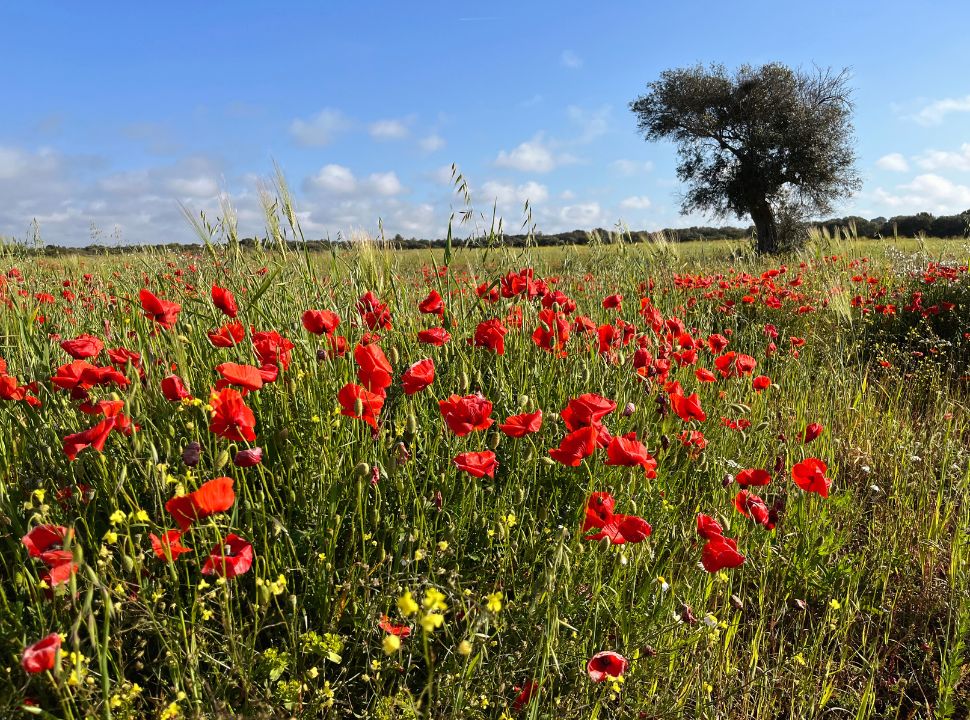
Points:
(570, 60)
(389, 129)
(893, 162)
(320, 129)
(935, 112)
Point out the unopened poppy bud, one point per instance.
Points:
(633, 506)
(621, 358)
(604, 543)
(127, 562)
(321, 355)
(548, 461)
(520, 495)
(411, 425)
(493, 440)
(523, 400)
(358, 407)
(629, 409)
(222, 460)
(553, 417)
(761, 426)
(464, 382)
(727, 479)
(191, 454)
(262, 593)
(183, 339)
(361, 470)
(395, 356)
(375, 515)
(248, 458)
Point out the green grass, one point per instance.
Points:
(856, 606)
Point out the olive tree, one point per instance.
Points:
(757, 142)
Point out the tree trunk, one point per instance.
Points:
(765, 225)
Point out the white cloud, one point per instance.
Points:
(592, 122)
(567, 195)
(320, 129)
(388, 130)
(334, 178)
(943, 160)
(532, 156)
(581, 215)
(432, 142)
(506, 195)
(12, 162)
(631, 167)
(894, 162)
(199, 187)
(384, 184)
(636, 202)
(570, 60)
(929, 192)
(442, 175)
(936, 112)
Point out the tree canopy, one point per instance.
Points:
(763, 141)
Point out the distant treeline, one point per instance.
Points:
(943, 226)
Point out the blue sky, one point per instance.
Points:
(114, 114)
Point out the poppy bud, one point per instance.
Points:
(529, 455)
(633, 506)
(375, 515)
(248, 458)
(438, 499)
(648, 650)
(665, 442)
(621, 358)
(520, 496)
(191, 453)
(727, 480)
(395, 357)
(548, 461)
(553, 417)
(761, 426)
(321, 355)
(464, 382)
(411, 425)
(127, 562)
(493, 440)
(523, 400)
(687, 614)
(361, 470)
(629, 409)
(737, 602)
(543, 513)
(382, 554)
(358, 407)
(262, 593)
(222, 460)
(604, 543)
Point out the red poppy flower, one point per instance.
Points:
(717, 343)
(402, 631)
(617, 527)
(606, 665)
(687, 408)
(44, 538)
(169, 546)
(754, 508)
(705, 375)
(320, 322)
(809, 475)
(734, 364)
(812, 431)
(375, 372)
(721, 553)
(762, 382)
(214, 496)
(436, 336)
(272, 348)
(250, 457)
(553, 331)
(521, 425)
(707, 527)
(418, 376)
(627, 451)
(231, 418)
(42, 655)
(490, 334)
(164, 312)
(94, 437)
(466, 414)
(612, 302)
(752, 477)
(477, 464)
(526, 693)
(232, 557)
(60, 573)
(585, 410)
(174, 390)
(83, 346)
(225, 301)
(433, 304)
(575, 446)
(360, 403)
(244, 376)
(229, 335)
(373, 312)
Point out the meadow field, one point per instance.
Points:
(616, 481)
